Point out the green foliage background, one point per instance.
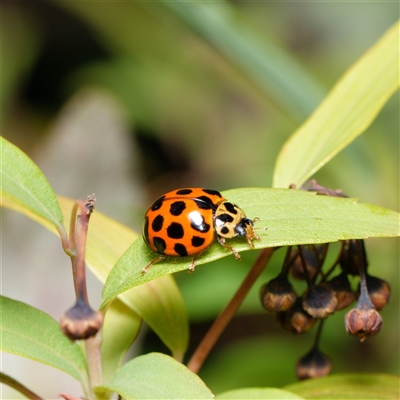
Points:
(210, 94)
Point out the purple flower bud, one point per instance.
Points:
(81, 322)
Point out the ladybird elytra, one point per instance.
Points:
(184, 222)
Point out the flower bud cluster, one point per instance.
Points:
(324, 294)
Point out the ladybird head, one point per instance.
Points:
(231, 221)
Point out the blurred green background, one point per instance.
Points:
(132, 99)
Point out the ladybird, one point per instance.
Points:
(184, 222)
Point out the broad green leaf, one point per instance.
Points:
(24, 184)
(31, 333)
(156, 376)
(159, 302)
(259, 393)
(349, 386)
(346, 112)
(121, 326)
(287, 217)
(271, 68)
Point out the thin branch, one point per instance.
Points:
(205, 346)
(11, 382)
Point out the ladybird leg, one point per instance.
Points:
(221, 241)
(193, 264)
(250, 235)
(154, 261)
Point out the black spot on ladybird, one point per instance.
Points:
(230, 208)
(204, 205)
(160, 244)
(212, 192)
(197, 241)
(175, 231)
(224, 230)
(184, 191)
(157, 204)
(180, 249)
(177, 208)
(157, 223)
(225, 218)
(146, 227)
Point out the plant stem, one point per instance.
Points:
(78, 239)
(286, 263)
(11, 382)
(93, 353)
(310, 284)
(205, 346)
(318, 335)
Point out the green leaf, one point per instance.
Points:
(270, 67)
(156, 376)
(349, 386)
(158, 302)
(346, 112)
(121, 326)
(287, 217)
(31, 333)
(24, 184)
(258, 393)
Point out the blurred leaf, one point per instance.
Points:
(256, 353)
(31, 333)
(287, 217)
(157, 376)
(351, 386)
(346, 112)
(161, 305)
(159, 302)
(258, 393)
(19, 48)
(121, 326)
(23, 183)
(268, 65)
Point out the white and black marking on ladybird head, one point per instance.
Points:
(243, 226)
(230, 221)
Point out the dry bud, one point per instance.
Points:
(342, 289)
(363, 321)
(378, 291)
(314, 364)
(277, 295)
(81, 322)
(319, 301)
(296, 320)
